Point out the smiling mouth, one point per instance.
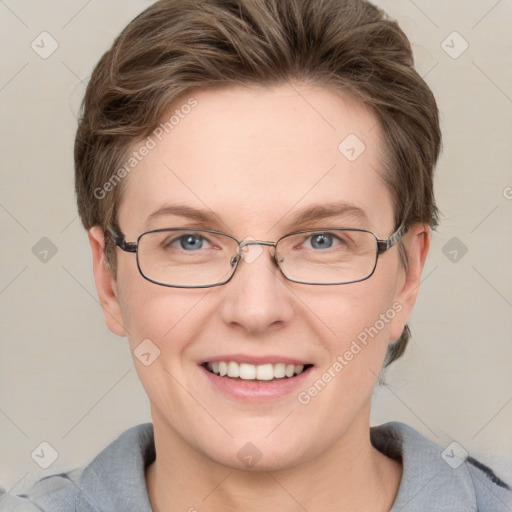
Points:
(262, 372)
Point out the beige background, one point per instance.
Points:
(65, 379)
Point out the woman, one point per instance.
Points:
(256, 179)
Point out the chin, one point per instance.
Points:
(257, 455)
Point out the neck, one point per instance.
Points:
(351, 476)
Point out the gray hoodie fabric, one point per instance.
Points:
(433, 479)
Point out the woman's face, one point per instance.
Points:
(251, 162)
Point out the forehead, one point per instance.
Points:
(252, 158)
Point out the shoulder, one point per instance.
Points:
(114, 478)
(55, 493)
(435, 478)
(492, 493)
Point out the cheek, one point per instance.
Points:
(158, 313)
(367, 317)
(352, 311)
(162, 324)
(356, 324)
(165, 325)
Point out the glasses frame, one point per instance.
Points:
(119, 240)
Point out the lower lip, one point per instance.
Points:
(256, 390)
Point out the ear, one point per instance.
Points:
(105, 283)
(417, 244)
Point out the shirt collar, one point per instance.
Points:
(428, 481)
(115, 480)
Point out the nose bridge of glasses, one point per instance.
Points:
(250, 256)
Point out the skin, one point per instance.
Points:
(255, 157)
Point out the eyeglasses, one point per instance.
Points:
(190, 258)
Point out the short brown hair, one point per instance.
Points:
(176, 46)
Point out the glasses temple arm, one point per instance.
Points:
(384, 245)
(120, 241)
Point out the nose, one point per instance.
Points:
(257, 299)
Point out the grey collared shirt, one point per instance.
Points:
(115, 480)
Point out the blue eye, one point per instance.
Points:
(191, 242)
(188, 242)
(322, 240)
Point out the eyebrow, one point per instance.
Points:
(316, 213)
(303, 216)
(180, 210)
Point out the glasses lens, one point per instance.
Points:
(335, 256)
(186, 258)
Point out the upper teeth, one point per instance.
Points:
(255, 372)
